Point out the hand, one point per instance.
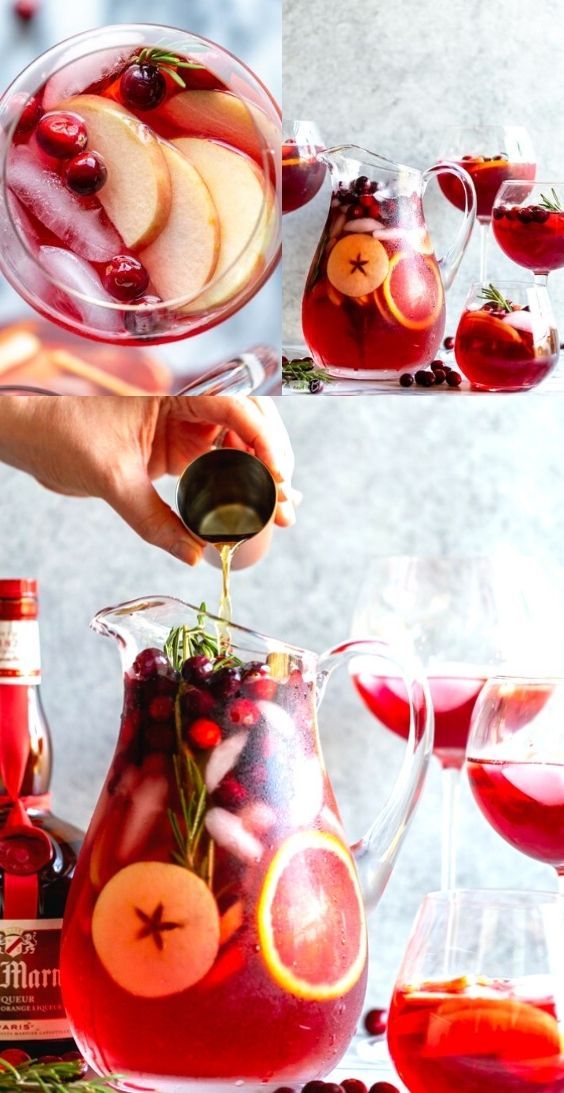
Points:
(113, 448)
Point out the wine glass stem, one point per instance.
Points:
(560, 876)
(540, 279)
(451, 795)
(484, 228)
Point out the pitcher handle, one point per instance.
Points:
(450, 261)
(376, 850)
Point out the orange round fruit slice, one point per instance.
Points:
(357, 264)
(155, 928)
(311, 923)
(480, 324)
(413, 290)
(505, 1027)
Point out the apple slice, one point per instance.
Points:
(183, 258)
(156, 929)
(219, 115)
(138, 192)
(238, 193)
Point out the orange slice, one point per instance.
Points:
(507, 1028)
(481, 324)
(155, 928)
(357, 264)
(311, 921)
(413, 290)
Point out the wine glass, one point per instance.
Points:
(528, 225)
(466, 619)
(490, 154)
(507, 338)
(478, 1005)
(515, 762)
(302, 172)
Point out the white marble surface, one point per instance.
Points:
(392, 78)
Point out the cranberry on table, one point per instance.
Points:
(383, 1087)
(26, 10)
(15, 1056)
(125, 277)
(376, 1021)
(45, 1059)
(143, 86)
(76, 1057)
(454, 379)
(61, 134)
(448, 342)
(314, 1087)
(204, 733)
(86, 173)
(406, 380)
(353, 1085)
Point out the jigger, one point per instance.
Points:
(228, 496)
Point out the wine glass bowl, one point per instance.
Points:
(528, 224)
(303, 172)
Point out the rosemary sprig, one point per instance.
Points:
(35, 1077)
(165, 61)
(188, 831)
(552, 204)
(192, 641)
(494, 296)
(301, 374)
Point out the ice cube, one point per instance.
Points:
(84, 229)
(519, 320)
(277, 719)
(228, 831)
(73, 273)
(307, 791)
(83, 73)
(147, 805)
(223, 759)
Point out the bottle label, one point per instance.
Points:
(20, 660)
(31, 1006)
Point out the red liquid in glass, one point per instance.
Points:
(499, 351)
(487, 174)
(302, 176)
(374, 299)
(531, 236)
(524, 803)
(454, 698)
(449, 1037)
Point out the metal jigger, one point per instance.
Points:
(222, 477)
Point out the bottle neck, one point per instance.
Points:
(25, 745)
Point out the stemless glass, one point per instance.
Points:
(302, 172)
(515, 762)
(490, 154)
(478, 1005)
(528, 225)
(173, 224)
(507, 338)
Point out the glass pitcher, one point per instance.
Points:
(215, 930)
(373, 304)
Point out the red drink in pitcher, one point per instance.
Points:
(474, 1035)
(524, 803)
(139, 197)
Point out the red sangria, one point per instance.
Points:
(139, 188)
(302, 170)
(216, 839)
(528, 224)
(524, 803)
(506, 338)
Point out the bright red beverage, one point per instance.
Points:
(524, 803)
(476, 1036)
(139, 199)
(453, 696)
(487, 174)
(531, 235)
(509, 347)
(302, 175)
(216, 841)
(374, 299)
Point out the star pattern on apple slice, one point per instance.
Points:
(154, 926)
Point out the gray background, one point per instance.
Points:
(380, 476)
(391, 77)
(249, 28)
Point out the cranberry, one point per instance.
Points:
(160, 709)
(449, 342)
(197, 702)
(260, 685)
(26, 10)
(197, 669)
(62, 135)
(244, 712)
(284, 1089)
(383, 1087)
(525, 216)
(360, 184)
(357, 211)
(230, 793)
(226, 682)
(76, 1057)
(423, 378)
(406, 380)
(204, 733)
(511, 213)
(315, 386)
(146, 320)
(454, 379)
(540, 215)
(46, 1059)
(31, 113)
(142, 86)
(150, 663)
(375, 1022)
(15, 1056)
(314, 1087)
(86, 173)
(125, 277)
(499, 213)
(440, 375)
(353, 1085)
(436, 364)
